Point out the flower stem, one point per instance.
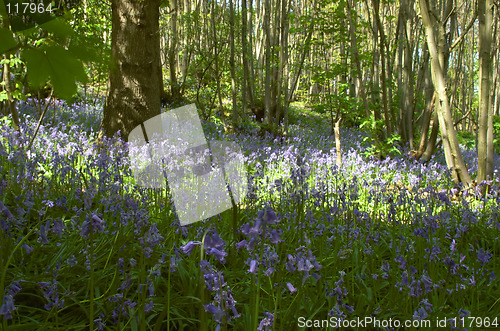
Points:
(91, 278)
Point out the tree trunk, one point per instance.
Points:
(338, 148)
(134, 92)
(453, 154)
(244, 56)
(172, 53)
(231, 60)
(216, 61)
(484, 152)
(267, 80)
(284, 59)
(406, 74)
(10, 103)
(357, 62)
(385, 101)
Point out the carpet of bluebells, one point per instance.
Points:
(82, 247)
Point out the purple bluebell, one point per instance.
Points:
(7, 306)
(187, 248)
(266, 323)
(253, 267)
(483, 256)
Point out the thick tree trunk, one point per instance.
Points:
(134, 92)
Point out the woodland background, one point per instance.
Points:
(369, 132)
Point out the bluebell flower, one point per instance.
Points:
(267, 322)
(99, 322)
(187, 248)
(149, 306)
(220, 256)
(426, 304)
(7, 306)
(267, 215)
(241, 244)
(453, 246)
(253, 267)
(93, 222)
(350, 309)
(214, 241)
(216, 312)
(483, 256)
(27, 248)
(14, 288)
(420, 314)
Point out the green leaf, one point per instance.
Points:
(7, 40)
(85, 50)
(56, 63)
(3, 96)
(37, 66)
(65, 71)
(59, 27)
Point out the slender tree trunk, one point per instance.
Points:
(216, 61)
(231, 59)
(431, 143)
(267, 80)
(406, 74)
(10, 102)
(305, 51)
(338, 148)
(385, 101)
(172, 54)
(484, 152)
(244, 56)
(453, 154)
(251, 82)
(357, 62)
(284, 59)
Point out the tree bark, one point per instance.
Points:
(231, 60)
(134, 92)
(267, 78)
(453, 154)
(244, 56)
(284, 59)
(357, 62)
(484, 151)
(385, 101)
(10, 102)
(172, 53)
(338, 148)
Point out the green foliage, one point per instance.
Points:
(496, 133)
(56, 63)
(377, 145)
(466, 138)
(51, 54)
(7, 40)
